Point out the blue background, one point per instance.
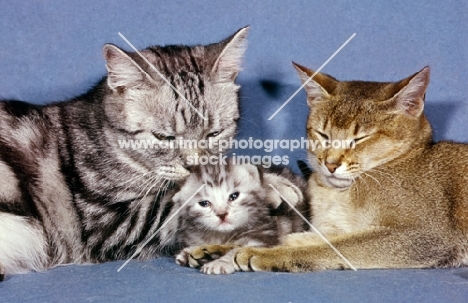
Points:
(51, 51)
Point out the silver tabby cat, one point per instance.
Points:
(70, 194)
(236, 206)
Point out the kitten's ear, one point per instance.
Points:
(286, 188)
(320, 86)
(247, 171)
(122, 71)
(409, 100)
(228, 54)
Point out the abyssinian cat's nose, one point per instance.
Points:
(332, 167)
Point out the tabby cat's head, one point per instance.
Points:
(382, 121)
(141, 105)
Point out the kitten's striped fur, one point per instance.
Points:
(70, 194)
(237, 206)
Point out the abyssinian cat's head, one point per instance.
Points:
(141, 105)
(383, 120)
(232, 197)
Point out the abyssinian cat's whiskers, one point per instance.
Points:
(388, 176)
(367, 174)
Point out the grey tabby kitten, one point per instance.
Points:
(70, 194)
(236, 206)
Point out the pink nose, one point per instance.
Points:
(331, 167)
(222, 216)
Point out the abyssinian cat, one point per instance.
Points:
(71, 194)
(236, 206)
(395, 200)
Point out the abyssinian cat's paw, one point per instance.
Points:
(263, 259)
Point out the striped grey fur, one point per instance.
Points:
(70, 194)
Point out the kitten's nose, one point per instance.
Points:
(332, 167)
(222, 216)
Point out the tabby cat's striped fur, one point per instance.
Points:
(70, 194)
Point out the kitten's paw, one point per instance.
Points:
(201, 255)
(182, 258)
(221, 266)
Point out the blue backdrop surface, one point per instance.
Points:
(50, 50)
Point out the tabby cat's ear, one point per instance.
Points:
(228, 54)
(320, 86)
(122, 71)
(409, 99)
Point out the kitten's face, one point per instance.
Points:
(231, 198)
(141, 105)
(362, 125)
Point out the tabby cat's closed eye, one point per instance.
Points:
(162, 137)
(213, 134)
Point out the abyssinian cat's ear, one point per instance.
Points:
(229, 53)
(319, 86)
(409, 100)
(286, 188)
(122, 71)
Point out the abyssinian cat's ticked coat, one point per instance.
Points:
(395, 200)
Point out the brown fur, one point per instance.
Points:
(397, 200)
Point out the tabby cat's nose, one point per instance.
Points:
(332, 167)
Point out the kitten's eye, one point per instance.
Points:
(163, 137)
(325, 137)
(213, 134)
(233, 196)
(204, 203)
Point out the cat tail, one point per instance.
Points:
(23, 245)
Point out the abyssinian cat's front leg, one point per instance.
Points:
(377, 249)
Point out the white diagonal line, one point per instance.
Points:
(162, 226)
(315, 230)
(305, 83)
(161, 75)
